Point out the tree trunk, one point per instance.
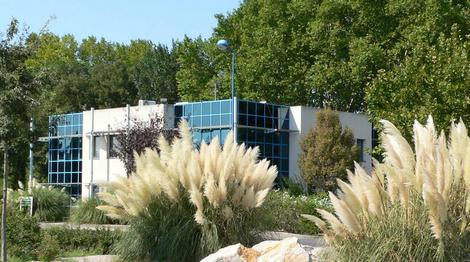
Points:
(4, 203)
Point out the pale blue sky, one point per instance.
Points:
(119, 20)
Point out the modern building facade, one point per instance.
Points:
(275, 129)
(258, 124)
(65, 152)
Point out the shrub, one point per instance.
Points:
(99, 241)
(23, 234)
(326, 152)
(51, 203)
(295, 188)
(413, 207)
(49, 248)
(282, 211)
(87, 213)
(192, 200)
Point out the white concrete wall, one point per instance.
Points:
(114, 119)
(302, 119)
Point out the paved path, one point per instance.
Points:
(313, 241)
(46, 225)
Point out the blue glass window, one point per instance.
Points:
(206, 108)
(225, 107)
(64, 157)
(197, 109)
(215, 120)
(188, 110)
(195, 121)
(206, 121)
(215, 107)
(225, 120)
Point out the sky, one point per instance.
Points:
(118, 20)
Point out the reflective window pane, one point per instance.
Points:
(224, 120)
(196, 109)
(215, 120)
(206, 108)
(215, 108)
(225, 107)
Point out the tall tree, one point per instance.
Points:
(354, 55)
(17, 88)
(155, 75)
(196, 69)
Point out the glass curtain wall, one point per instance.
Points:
(259, 124)
(266, 126)
(207, 119)
(65, 152)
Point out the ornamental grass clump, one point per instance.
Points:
(51, 204)
(183, 202)
(415, 206)
(87, 213)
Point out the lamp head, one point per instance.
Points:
(223, 45)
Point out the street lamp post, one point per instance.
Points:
(224, 45)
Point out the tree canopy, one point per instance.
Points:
(18, 89)
(390, 59)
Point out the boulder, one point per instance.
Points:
(286, 250)
(227, 254)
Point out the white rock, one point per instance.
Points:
(227, 254)
(287, 250)
(265, 246)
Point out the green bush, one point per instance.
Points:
(87, 213)
(51, 204)
(98, 241)
(167, 230)
(326, 152)
(23, 234)
(282, 211)
(293, 187)
(49, 248)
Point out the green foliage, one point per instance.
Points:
(75, 76)
(168, 232)
(99, 241)
(327, 151)
(87, 213)
(395, 60)
(155, 75)
(51, 204)
(293, 187)
(196, 70)
(23, 235)
(282, 212)
(26, 241)
(49, 247)
(432, 80)
(18, 88)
